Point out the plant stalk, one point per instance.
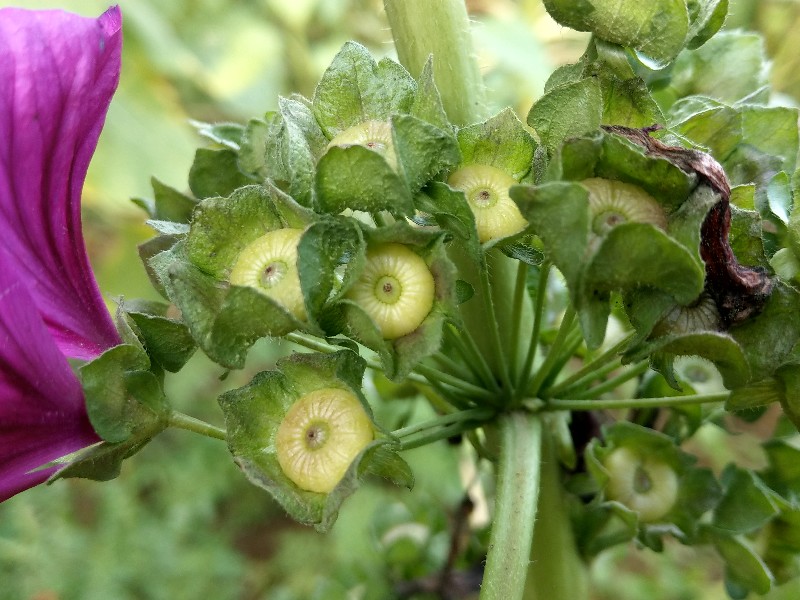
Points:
(422, 28)
(515, 507)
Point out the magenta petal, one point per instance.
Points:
(58, 73)
(42, 410)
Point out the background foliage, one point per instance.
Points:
(181, 521)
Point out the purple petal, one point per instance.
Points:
(42, 411)
(58, 73)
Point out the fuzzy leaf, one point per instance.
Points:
(360, 179)
(222, 227)
(216, 173)
(658, 28)
(355, 89)
(501, 141)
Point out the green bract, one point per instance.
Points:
(209, 274)
(320, 397)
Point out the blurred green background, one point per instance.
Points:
(181, 522)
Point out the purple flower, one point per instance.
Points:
(58, 72)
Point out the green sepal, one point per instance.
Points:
(755, 395)
(122, 396)
(697, 71)
(254, 413)
(565, 111)
(609, 156)
(168, 204)
(630, 256)
(450, 210)
(326, 246)
(224, 134)
(358, 178)
(602, 525)
(706, 17)
(719, 348)
(559, 215)
(783, 472)
(225, 320)
(789, 376)
(222, 227)
(747, 504)
(657, 29)
(428, 102)
(355, 89)
(501, 141)
(216, 173)
(768, 338)
(167, 341)
(285, 148)
(103, 461)
(744, 568)
(634, 255)
(148, 251)
(423, 150)
(399, 356)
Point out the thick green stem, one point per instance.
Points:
(556, 570)
(515, 507)
(441, 28)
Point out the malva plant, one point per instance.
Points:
(539, 283)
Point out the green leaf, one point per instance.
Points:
(122, 396)
(360, 179)
(222, 227)
(657, 29)
(565, 111)
(216, 173)
(355, 89)
(501, 141)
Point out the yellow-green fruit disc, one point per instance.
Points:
(320, 436)
(396, 289)
(486, 188)
(269, 265)
(615, 202)
(375, 135)
(643, 484)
